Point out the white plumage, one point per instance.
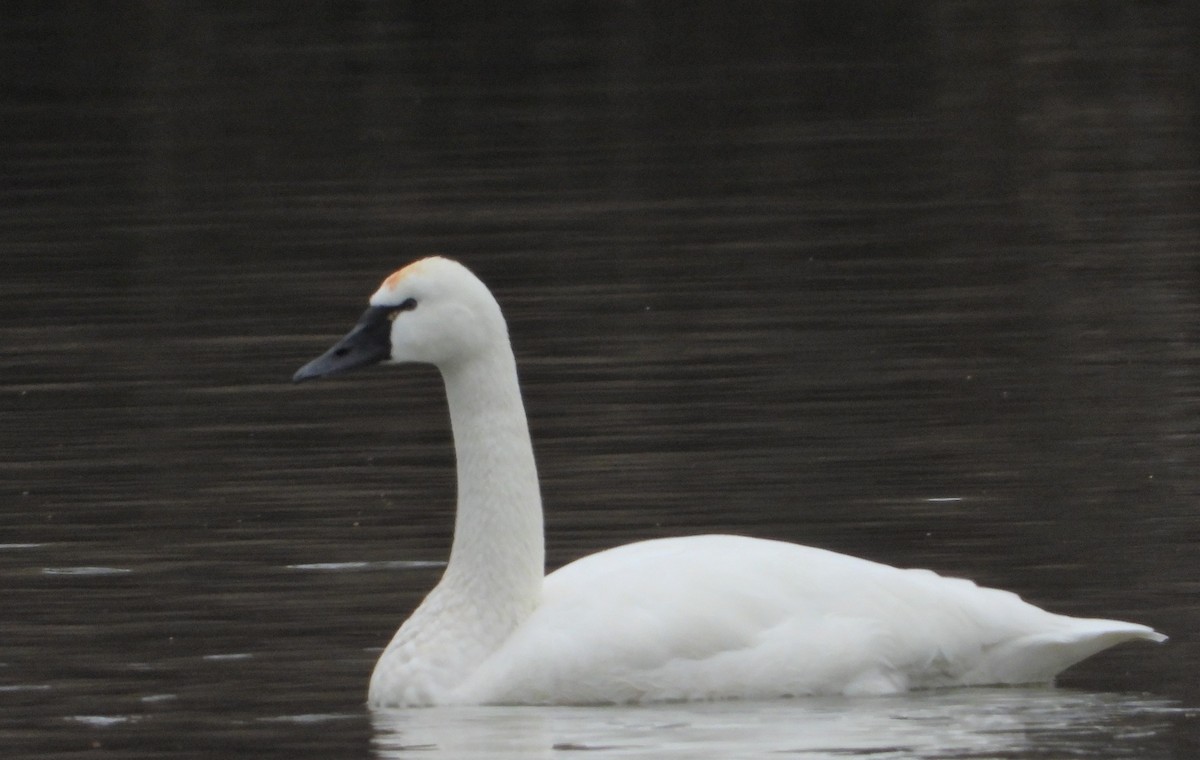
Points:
(701, 617)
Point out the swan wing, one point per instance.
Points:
(707, 617)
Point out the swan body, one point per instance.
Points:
(698, 617)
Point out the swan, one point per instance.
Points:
(688, 618)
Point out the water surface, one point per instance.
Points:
(918, 283)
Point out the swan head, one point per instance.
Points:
(433, 311)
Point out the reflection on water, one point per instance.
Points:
(967, 723)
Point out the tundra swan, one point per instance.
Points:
(698, 617)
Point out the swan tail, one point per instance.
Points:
(1039, 657)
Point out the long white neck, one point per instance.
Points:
(493, 581)
(497, 561)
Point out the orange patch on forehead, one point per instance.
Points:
(394, 278)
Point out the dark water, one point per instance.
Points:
(913, 281)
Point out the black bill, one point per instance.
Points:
(368, 343)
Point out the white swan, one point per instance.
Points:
(700, 617)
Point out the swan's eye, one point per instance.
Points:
(408, 305)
